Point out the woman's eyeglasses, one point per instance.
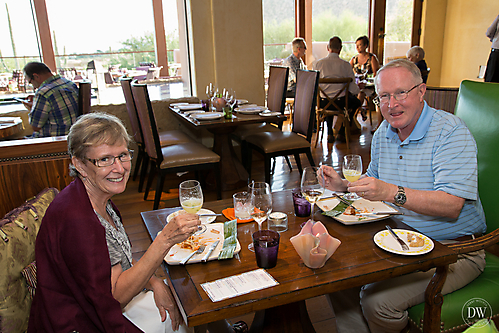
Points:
(109, 160)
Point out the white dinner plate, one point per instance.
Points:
(178, 104)
(207, 115)
(364, 205)
(250, 109)
(269, 114)
(241, 101)
(189, 107)
(213, 233)
(194, 111)
(204, 220)
(385, 240)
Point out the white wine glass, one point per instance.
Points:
(261, 199)
(352, 170)
(312, 186)
(191, 199)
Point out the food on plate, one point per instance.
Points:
(192, 243)
(349, 211)
(215, 231)
(414, 240)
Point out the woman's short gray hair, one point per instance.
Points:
(401, 63)
(94, 129)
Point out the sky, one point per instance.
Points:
(81, 26)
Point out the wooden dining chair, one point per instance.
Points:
(84, 97)
(296, 142)
(477, 106)
(276, 102)
(332, 108)
(166, 138)
(181, 157)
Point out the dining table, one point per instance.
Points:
(234, 174)
(357, 261)
(10, 126)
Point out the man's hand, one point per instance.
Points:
(332, 180)
(373, 189)
(165, 302)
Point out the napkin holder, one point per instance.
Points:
(314, 244)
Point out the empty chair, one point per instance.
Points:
(84, 97)
(166, 138)
(190, 156)
(272, 144)
(333, 109)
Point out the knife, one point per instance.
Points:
(401, 242)
(210, 250)
(349, 204)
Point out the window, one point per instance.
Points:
(398, 27)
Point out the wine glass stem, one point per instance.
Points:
(312, 212)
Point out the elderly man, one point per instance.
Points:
(294, 62)
(54, 107)
(334, 67)
(423, 161)
(416, 55)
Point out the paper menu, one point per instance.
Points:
(237, 285)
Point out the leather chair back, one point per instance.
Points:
(84, 97)
(307, 83)
(147, 121)
(126, 85)
(477, 104)
(276, 94)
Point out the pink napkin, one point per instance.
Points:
(314, 245)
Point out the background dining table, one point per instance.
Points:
(10, 126)
(357, 261)
(234, 175)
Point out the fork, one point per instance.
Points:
(349, 204)
(198, 251)
(402, 243)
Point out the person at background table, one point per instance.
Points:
(416, 55)
(364, 64)
(492, 71)
(333, 66)
(86, 274)
(424, 161)
(54, 107)
(295, 62)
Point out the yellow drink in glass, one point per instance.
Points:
(192, 206)
(351, 175)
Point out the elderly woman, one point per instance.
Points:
(87, 280)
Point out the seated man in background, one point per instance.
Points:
(416, 55)
(334, 67)
(294, 62)
(54, 107)
(424, 161)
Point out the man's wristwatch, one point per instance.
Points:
(400, 197)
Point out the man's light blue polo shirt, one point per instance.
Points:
(439, 155)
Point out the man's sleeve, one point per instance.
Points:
(39, 112)
(491, 31)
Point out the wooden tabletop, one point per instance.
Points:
(357, 261)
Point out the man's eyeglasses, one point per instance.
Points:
(109, 160)
(400, 96)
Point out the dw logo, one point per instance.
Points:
(476, 309)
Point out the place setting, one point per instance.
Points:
(212, 241)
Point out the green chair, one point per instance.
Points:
(478, 105)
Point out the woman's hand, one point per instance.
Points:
(165, 302)
(180, 228)
(332, 180)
